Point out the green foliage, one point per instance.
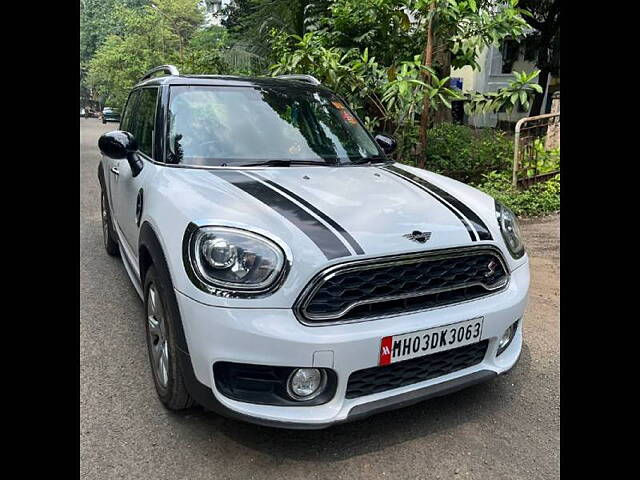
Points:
(483, 158)
(250, 21)
(547, 161)
(406, 89)
(97, 22)
(519, 91)
(211, 38)
(539, 199)
(369, 51)
(468, 26)
(378, 65)
(466, 153)
(380, 26)
(165, 32)
(354, 75)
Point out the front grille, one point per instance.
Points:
(380, 379)
(388, 286)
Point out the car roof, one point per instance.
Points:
(227, 80)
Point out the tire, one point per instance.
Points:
(160, 328)
(110, 242)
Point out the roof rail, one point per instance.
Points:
(303, 78)
(170, 69)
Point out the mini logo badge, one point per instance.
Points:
(418, 236)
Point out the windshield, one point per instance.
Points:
(254, 125)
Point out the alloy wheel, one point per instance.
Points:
(157, 338)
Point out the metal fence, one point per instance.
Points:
(533, 137)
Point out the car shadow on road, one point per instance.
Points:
(476, 404)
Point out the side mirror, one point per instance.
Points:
(387, 144)
(119, 145)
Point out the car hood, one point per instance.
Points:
(345, 211)
(327, 215)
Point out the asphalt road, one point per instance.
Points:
(508, 428)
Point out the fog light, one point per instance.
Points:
(306, 383)
(507, 337)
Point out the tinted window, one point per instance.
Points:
(125, 122)
(241, 125)
(143, 119)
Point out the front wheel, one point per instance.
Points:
(162, 344)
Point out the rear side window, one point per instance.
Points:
(143, 119)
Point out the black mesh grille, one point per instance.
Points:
(379, 379)
(424, 282)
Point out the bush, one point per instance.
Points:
(539, 199)
(483, 158)
(466, 153)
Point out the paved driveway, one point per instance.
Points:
(508, 428)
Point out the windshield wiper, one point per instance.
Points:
(362, 160)
(286, 163)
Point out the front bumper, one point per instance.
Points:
(275, 337)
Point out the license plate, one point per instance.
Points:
(424, 342)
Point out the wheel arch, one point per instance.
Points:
(150, 252)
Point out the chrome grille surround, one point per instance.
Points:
(307, 296)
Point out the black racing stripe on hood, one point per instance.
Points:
(422, 184)
(346, 235)
(319, 233)
(478, 224)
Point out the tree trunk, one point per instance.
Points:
(536, 106)
(302, 5)
(426, 104)
(443, 60)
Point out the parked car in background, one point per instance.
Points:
(292, 273)
(110, 114)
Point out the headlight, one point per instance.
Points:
(510, 230)
(229, 260)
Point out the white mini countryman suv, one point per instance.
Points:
(292, 274)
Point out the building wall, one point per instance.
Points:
(470, 77)
(490, 78)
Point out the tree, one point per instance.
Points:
(182, 17)
(250, 21)
(544, 17)
(396, 90)
(234, 13)
(455, 32)
(165, 32)
(97, 22)
(383, 27)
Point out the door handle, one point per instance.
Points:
(115, 170)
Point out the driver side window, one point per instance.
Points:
(144, 118)
(125, 123)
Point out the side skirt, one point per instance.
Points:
(129, 263)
